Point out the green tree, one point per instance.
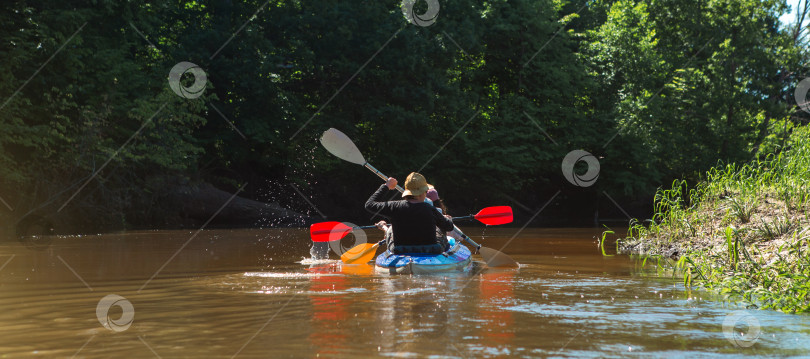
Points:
(91, 96)
(690, 82)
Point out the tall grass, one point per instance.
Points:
(775, 229)
(742, 231)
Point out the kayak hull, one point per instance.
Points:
(458, 259)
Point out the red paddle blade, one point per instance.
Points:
(328, 231)
(494, 216)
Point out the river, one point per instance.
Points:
(253, 293)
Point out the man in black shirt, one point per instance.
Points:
(413, 220)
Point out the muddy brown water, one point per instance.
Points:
(252, 294)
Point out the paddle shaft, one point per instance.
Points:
(326, 231)
(472, 216)
(455, 229)
(461, 218)
(380, 174)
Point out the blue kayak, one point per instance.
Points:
(457, 259)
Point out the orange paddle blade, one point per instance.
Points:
(360, 254)
(328, 231)
(494, 216)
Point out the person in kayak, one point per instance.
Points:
(432, 199)
(437, 202)
(441, 236)
(413, 220)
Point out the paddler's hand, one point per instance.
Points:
(381, 225)
(391, 183)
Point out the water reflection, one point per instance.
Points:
(498, 329)
(329, 309)
(421, 314)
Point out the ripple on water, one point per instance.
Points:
(288, 275)
(311, 261)
(414, 291)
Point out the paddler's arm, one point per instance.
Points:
(375, 203)
(443, 222)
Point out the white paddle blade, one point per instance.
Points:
(340, 145)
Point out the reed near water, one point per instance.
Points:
(743, 232)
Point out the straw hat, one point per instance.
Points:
(415, 185)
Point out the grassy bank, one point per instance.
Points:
(742, 232)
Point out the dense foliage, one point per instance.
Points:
(488, 99)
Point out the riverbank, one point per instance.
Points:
(742, 232)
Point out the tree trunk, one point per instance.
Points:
(202, 202)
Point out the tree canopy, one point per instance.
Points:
(487, 100)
